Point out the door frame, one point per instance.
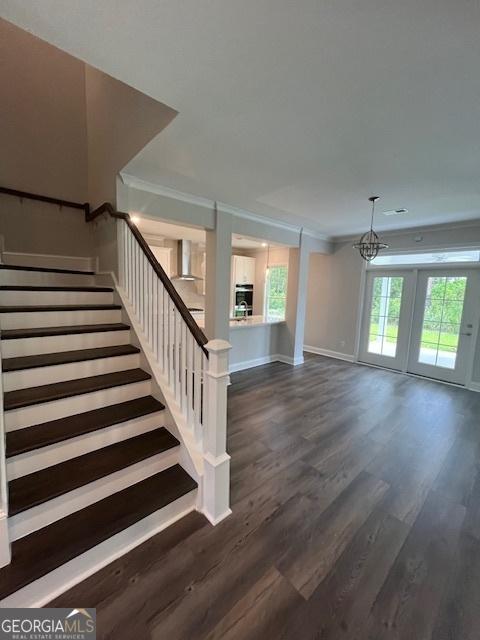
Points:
(399, 362)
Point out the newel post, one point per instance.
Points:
(216, 486)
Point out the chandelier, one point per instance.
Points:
(369, 244)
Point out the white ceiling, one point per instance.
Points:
(296, 109)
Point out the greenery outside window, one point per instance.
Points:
(276, 292)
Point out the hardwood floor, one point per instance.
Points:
(356, 515)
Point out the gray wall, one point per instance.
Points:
(254, 343)
(43, 119)
(334, 281)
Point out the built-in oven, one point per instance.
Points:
(243, 299)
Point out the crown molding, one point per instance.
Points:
(475, 222)
(153, 187)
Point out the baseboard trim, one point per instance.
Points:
(250, 364)
(474, 386)
(292, 361)
(258, 362)
(338, 355)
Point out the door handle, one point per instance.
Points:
(468, 333)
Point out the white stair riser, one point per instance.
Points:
(40, 260)
(56, 344)
(37, 319)
(44, 514)
(27, 378)
(34, 298)
(46, 411)
(45, 589)
(45, 278)
(25, 463)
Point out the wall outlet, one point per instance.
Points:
(342, 343)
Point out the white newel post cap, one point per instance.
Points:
(217, 346)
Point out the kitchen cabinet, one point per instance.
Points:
(243, 270)
(164, 257)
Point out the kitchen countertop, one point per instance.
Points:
(251, 321)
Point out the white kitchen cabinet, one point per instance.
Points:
(243, 270)
(164, 257)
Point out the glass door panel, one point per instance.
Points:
(441, 321)
(384, 315)
(385, 323)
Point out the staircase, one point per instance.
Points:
(91, 469)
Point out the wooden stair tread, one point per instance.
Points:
(43, 551)
(66, 357)
(35, 287)
(44, 485)
(18, 267)
(59, 307)
(48, 433)
(58, 390)
(43, 332)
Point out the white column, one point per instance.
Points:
(217, 281)
(296, 301)
(216, 484)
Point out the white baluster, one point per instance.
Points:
(190, 364)
(183, 367)
(197, 392)
(171, 343)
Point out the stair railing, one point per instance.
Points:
(195, 369)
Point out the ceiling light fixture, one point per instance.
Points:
(369, 244)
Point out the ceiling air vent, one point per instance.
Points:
(395, 212)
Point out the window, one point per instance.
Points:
(276, 292)
(436, 257)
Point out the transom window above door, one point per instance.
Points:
(434, 257)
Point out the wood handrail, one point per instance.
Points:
(35, 196)
(195, 330)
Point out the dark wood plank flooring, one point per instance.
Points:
(356, 515)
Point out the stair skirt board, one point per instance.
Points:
(32, 461)
(36, 319)
(35, 298)
(45, 278)
(46, 411)
(45, 589)
(55, 344)
(44, 514)
(26, 378)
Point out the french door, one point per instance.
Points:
(443, 322)
(421, 321)
(387, 318)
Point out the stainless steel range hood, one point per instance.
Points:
(184, 261)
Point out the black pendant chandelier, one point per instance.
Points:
(369, 244)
